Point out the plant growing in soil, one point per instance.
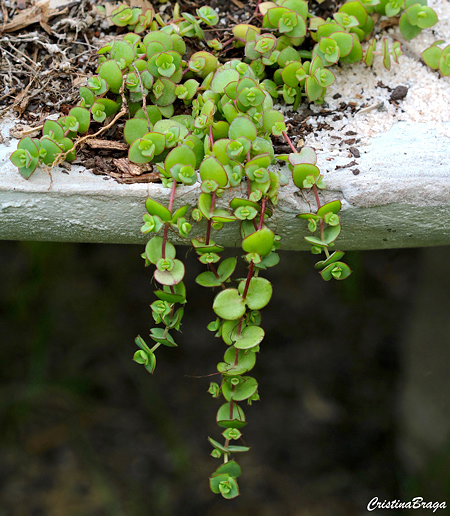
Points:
(201, 121)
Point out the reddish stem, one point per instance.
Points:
(288, 141)
(261, 217)
(247, 283)
(208, 227)
(211, 139)
(214, 271)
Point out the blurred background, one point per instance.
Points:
(353, 382)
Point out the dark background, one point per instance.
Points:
(86, 431)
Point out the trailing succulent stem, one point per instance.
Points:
(203, 122)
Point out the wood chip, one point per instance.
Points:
(351, 164)
(237, 3)
(21, 130)
(107, 144)
(131, 169)
(355, 152)
(38, 13)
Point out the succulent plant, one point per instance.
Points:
(203, 122)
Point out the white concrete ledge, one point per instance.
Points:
(400, 198)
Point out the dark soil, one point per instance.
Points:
(43, 64)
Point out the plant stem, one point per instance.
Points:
(208, 227)
(211, 139)
(249, 277)
(214, 271)
(288, 141)
(261, 217)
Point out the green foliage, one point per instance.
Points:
(220, 138)
(437, 58)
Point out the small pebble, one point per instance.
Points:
(399, 93)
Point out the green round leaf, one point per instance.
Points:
(153, 250)
(171, 277)
(110, 71)
(211, 168)
(49, 150)
(229, 305)
(207, 279)
(135, 128)
(258, 294)
(83, 116)
(157, 334)
(336, 270)
(123, 52)
(245, 389)
(231, 468)
(431, 56)
(302, 171)
(250, 337)
(226, 268)
(333, 207)
(53, 130)
(260, 242)
(230, 417)
(180, 154)
(246, 361)
(242, 126)
(229, 329)
(155, 208)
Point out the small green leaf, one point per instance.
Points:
(157, 334)
(207, 279)
(169, 297)
(153, 250)
(229, 305)
(110, 71)
(53, 130)
(181, 212)
(337, 255)
(233, 471)
(226, 268)
(49, 150)
(336, 270)
(170, 277)
(230, 416)
(83, 116)
(211, 168)
(261, 242)
(333, 206)
(250, 337)
(231, 468)
(201, 247)
(246, 361)
(242, 126)
(258, 294)
(245, 389)
(155, 208)
(135, 128)
(431, 56)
